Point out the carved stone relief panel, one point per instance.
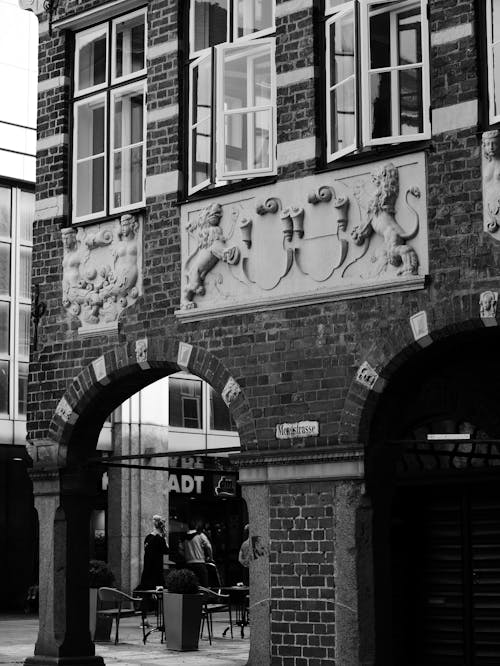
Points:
(342, 234)
(491, 182)
(102, 271)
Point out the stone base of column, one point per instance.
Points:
(40, 660)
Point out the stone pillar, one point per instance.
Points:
(257, 499)
(62, 500)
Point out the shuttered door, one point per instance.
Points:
(485, 577)
(450, 594)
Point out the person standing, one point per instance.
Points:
(244, 554)
(155, 547)
(196, 550)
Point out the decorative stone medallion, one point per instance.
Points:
(231, 391)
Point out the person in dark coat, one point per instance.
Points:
(155, 547)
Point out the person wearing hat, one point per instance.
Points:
(155, 547)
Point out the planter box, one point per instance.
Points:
(182, 620)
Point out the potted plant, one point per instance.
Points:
(100, 575)
(182, 604)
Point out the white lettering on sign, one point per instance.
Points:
(186, 484)
(301, 429)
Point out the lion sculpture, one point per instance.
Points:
(382, 220)
(211, 248)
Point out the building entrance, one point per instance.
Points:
(445, 544)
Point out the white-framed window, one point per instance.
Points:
(17, 207)
(493, 47)
(232, 91)
(109, 117)
(377, 74)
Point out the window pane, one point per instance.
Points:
(5, 211)
(495, 20)
(90, 167)
(253, 15)
(380, 40)
(22, 388)
(128, 136)
(247, 141)
(210, 23)
(24, 332)
(4, 387)
(411, 119)
(4, 268)
(25, 273)
(26, 216)
(343, 116)
(130, 51)
(380, 91)
(244, 65)
(342, 49)
(184, 403)
(4, 328)
(409, 37)
(496, 78)
(90, 187)
(220, 417)
(201, 153)
(90, 122)
(91, 49)
(201, 91)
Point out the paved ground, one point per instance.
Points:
(18, 636)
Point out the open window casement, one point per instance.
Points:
(246, 110)
(200, 123)
(493, 46)
(341, 83)
(208, 25)
(394, 52)
(253, 18)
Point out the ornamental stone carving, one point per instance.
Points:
(102, 271)
(491, 182)
(488, 304)
(307, 240)
(230, 391)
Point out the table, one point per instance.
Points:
(157, 596)
(238, 595)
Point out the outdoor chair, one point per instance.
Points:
(124, 606)
(214, 603)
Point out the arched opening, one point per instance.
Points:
(433, 472)
(66, 494)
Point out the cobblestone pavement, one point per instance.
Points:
(18, 635)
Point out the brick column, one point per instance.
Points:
(62, 500)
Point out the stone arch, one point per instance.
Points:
(110, 379)
(386, 357)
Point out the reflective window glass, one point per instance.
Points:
(4, 387)
(253, 16)
(92, 59)
(22, 388)
(26, 215)
(4, 269)
(130, 46)
(4, 328)
(5, 212)
(209, 23)
(23, 343)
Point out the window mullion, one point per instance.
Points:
(395, 110)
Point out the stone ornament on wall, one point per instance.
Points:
(488, 304)
(102, 271)
(230, 391)
(367, 376)
(491, 182)
(304, 239)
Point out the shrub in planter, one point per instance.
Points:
(182, 610)
(100, 575)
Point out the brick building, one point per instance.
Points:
(297, 201)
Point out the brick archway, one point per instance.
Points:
(113, 377)
(386, 357)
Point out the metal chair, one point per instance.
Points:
(214, 603)
(122, 607)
